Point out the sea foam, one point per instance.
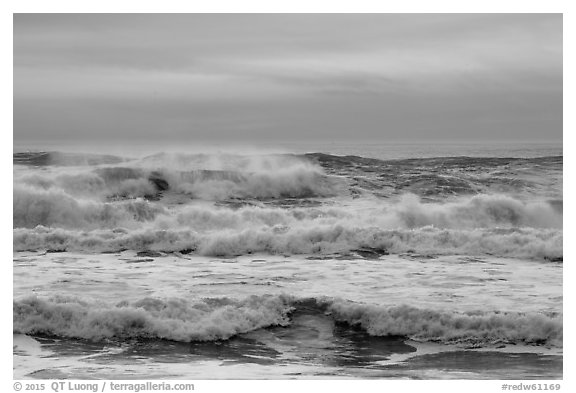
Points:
(221, 318)
(504, 227)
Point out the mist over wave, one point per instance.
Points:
(226, 204)
(221, 176)
(199, 177)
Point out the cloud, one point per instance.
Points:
(455, 74)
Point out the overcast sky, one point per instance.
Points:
(287, 77)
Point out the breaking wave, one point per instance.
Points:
(526, 243)
(55, 208)
(172, 319)
(479, 211)
(473, 327)
(221, 176)
(33, 206)
(499, 225)
(221, 318)
(214, 178)
(162, 202)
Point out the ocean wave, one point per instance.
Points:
(254, 160)
(406, 211)
(50, 206)
(223, 176)
(221, 318)
(152, 203)
(513, 242)
(213, 179)
(97, 184)
(42, 158)
(473, 327)
(479, 211)
(441, 177)
(172, 319)
(299, 182)
(34, 207)
(220, 177)
(336, 161)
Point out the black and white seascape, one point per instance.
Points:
(300, 196)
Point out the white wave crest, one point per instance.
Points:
(449, 327)
(479, 211)
(172, 319)
(523, 243)
(56, 208)
(221, 318)
(214, 177)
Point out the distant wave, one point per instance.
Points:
(446, 176)
(212, 178)
(229, 176)
(257, 203)
(43, 158)
(329, 160)
(221, 318)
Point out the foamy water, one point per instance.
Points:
(287, 265)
